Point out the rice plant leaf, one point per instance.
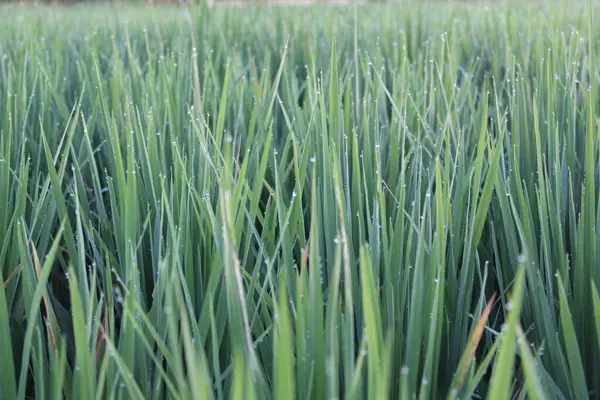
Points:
(502, 375)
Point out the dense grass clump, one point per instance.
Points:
(371, 202)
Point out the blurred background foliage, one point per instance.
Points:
(243, 2)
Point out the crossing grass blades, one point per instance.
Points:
(299, 202)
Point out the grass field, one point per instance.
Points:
(312, 203)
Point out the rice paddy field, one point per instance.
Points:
(391, 201)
